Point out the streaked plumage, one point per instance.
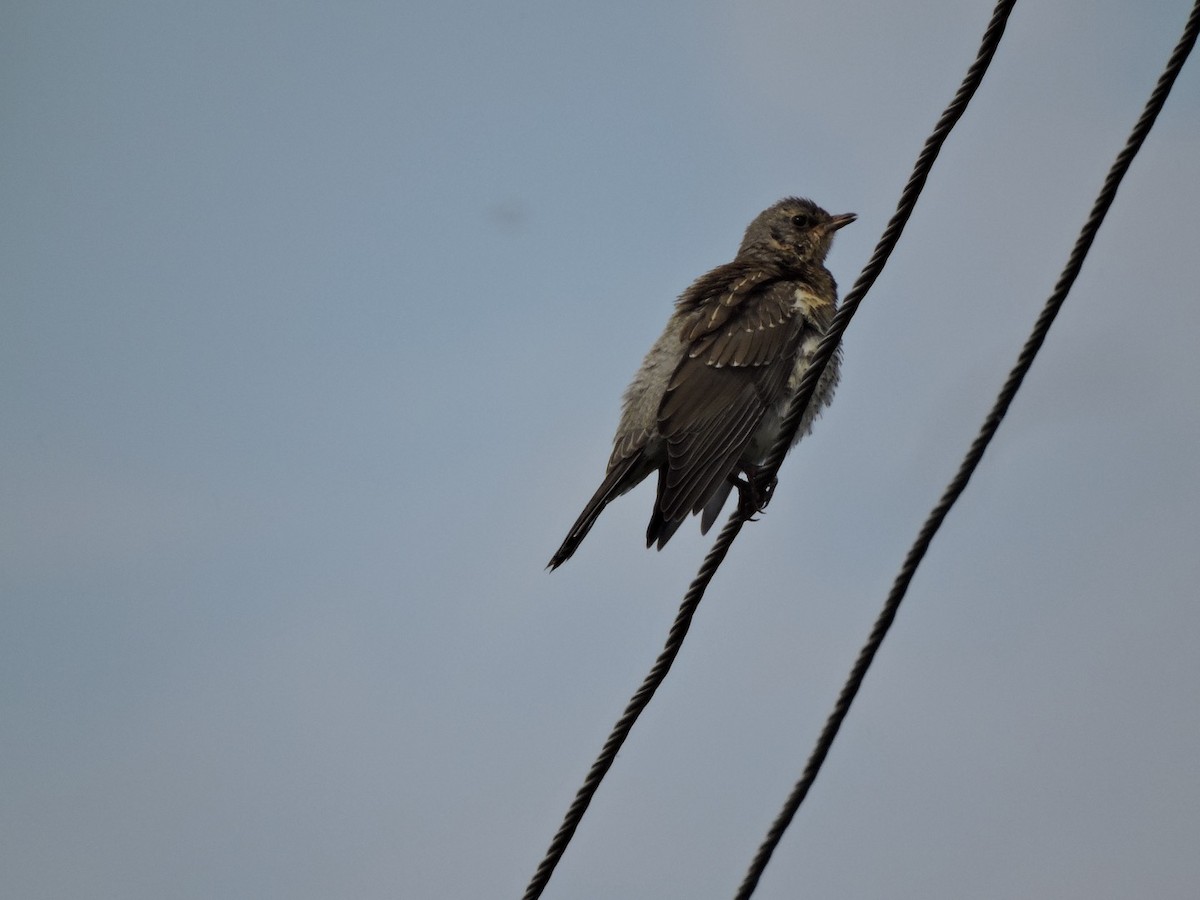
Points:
(707, 402)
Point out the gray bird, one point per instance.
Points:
(708, 401)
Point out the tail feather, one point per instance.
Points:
(619, 479)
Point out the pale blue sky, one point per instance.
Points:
(314, 320)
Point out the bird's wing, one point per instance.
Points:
(741, 344)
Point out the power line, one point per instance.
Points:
(1041, 327)
(687, 609)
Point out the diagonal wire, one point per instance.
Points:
(1041, 327)
(720, 548)
(891, 235)
(637, 703)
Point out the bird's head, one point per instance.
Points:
(796, 228)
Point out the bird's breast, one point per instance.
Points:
(808, 347)
(806, 302)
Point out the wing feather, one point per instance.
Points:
(742, 340)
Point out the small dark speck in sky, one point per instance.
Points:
(508, 215)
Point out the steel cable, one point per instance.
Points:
(720, 548)
(938, 514)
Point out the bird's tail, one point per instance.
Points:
(619, 479)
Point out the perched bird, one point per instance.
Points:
(708, 401)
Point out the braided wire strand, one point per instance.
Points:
(637, 703)
(988, 430)
(721, 546)
(891, 234)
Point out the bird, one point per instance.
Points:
(707, 403)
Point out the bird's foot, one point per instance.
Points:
(754, 491)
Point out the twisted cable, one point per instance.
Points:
(721, 546)
(938, 514)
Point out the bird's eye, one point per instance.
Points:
(803, 220)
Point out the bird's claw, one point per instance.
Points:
(754, 492)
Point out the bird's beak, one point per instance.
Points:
(840, 221)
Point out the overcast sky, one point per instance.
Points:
(314, 321)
